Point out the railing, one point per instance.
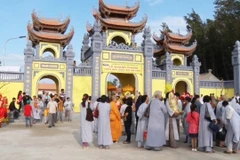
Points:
(83, 70)
(188, 68)
(228, 84)
(211, 84)
(11, 76)
(158, 74)
(221, 84)
(123, 47)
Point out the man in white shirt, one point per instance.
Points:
(68, 109)
(52, 108)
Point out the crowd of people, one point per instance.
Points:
(44, 108)
(158, 121)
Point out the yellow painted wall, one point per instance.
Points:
(11, 89)
(158, 84)
(81, 85)
(137, 60)
(217, 92)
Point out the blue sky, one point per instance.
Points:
(15, 15)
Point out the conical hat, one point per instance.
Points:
(168, 88)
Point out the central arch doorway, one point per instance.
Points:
(120, 80)
(48, 84)
(181, 87)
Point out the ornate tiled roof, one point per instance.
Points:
(125, 11)
(49, 23)
(38, 36)
(174, 43)
(117, 23)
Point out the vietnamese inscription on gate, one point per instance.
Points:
(122, 57)
(121, 68)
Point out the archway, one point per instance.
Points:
(48, 84)
(181, 87)
(48, 52)
(120, 80)
(119, 40)
(177, 62)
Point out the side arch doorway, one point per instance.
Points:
(48, 84)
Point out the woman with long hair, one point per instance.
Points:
(128, 120)
(19, 100)
(86, 128)
(104, 130)
(142, 122)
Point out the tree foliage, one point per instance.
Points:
(216, 38)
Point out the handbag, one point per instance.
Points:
(96, 112)
(221, 135)
(89, 115)
(215, 128)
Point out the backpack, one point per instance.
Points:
(89, 115)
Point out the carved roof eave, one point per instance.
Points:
(173, 37)
(37, 37)
(186, 50)
(157, 39)
(128, 11)
(44, 23)
(134, 27)
(159, 52)
(89, 29)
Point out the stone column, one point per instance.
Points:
(236, 66)
(196, 72)
(148, 53)
(28, 58)
(97, 45)
(168, 67)
(69, 71)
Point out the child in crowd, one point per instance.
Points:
(28, 114)
(45, 115)
(193, 120)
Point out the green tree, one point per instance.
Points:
(216, 37)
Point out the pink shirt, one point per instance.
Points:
(193, 120)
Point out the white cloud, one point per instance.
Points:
(153, 2)
(175, 23)
(12, 59)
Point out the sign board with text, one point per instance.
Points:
(122, 68)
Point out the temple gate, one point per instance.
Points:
(47, 36)
(109, 47)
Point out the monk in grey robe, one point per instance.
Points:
(232, 124)
(205, 135)
(104, 130)
(155, 132)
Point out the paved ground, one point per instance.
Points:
(63, 143)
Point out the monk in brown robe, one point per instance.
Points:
(115, 120)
